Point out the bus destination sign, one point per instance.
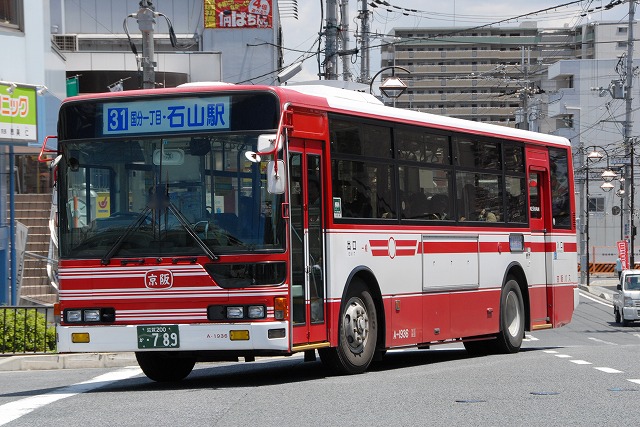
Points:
(173, 115)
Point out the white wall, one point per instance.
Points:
(200, 66)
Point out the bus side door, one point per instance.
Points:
(541, 241)
(308, 270)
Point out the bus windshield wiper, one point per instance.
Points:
(130, 229)
(187, 226)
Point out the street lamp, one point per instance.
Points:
(607, 176)
(393, 86)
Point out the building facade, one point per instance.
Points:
(495, 75)
(212, 41)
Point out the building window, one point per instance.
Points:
(11, 13)
(596, 204)
(622, 30)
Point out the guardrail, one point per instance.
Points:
(27, 330)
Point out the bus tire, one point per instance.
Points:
(357, 333)
(509, 339)
(162, 368)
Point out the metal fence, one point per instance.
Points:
(27, 330)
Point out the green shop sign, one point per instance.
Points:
(18, 115)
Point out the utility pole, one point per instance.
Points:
(344, 37)
(364, 43)
(527, 91)
(331, 33)
(628, 140)
(146, 18)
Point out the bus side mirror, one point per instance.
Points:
(619, 287)
(267, 142)
(275, 178)
(55, 162)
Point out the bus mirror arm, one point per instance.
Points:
(267, 141)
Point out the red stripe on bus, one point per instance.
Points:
(449, 247)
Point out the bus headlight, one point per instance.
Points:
(235, 312)
(73, 316)
(256, 312)
(89, 315)
(92, 315)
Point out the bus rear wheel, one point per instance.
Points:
(357, 335)
(161, 367)
(509, 339)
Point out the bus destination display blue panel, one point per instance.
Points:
(174, 115)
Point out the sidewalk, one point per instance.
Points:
(25, 362)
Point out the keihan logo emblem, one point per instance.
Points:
(158, 279)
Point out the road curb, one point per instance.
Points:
(599, 291)
(67, 361)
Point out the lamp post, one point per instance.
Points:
(621, 193)
(391, 87)
(607, 176)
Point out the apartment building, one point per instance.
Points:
(492, 74)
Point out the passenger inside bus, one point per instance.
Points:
(440, 206)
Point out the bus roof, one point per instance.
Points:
(348, 102)
(367, 104)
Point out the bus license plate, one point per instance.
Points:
(158, 336)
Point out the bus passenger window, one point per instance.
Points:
(516, 199)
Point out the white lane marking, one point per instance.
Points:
(530, 338)
(594, 299)
(636, 335)
(580, 362)
(550, 351)
(14, 410)
(635, 381)
(562, 356)
(609, 370)
(603, 342)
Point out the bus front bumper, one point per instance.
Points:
(267, 336)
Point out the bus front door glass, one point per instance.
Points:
(307, 248)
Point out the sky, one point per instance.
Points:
(300, 35)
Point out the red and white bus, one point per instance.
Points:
(222, 221)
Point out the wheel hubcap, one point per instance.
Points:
(356, 325)
(512, 314)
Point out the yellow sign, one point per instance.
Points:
(103, 205)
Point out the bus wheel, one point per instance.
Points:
(358, 333)
(162, 368)
(511, 333)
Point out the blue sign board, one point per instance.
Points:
(172, 115)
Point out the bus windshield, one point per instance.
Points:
(173, 196)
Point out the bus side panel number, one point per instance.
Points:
(117, 119)
(158, 336)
